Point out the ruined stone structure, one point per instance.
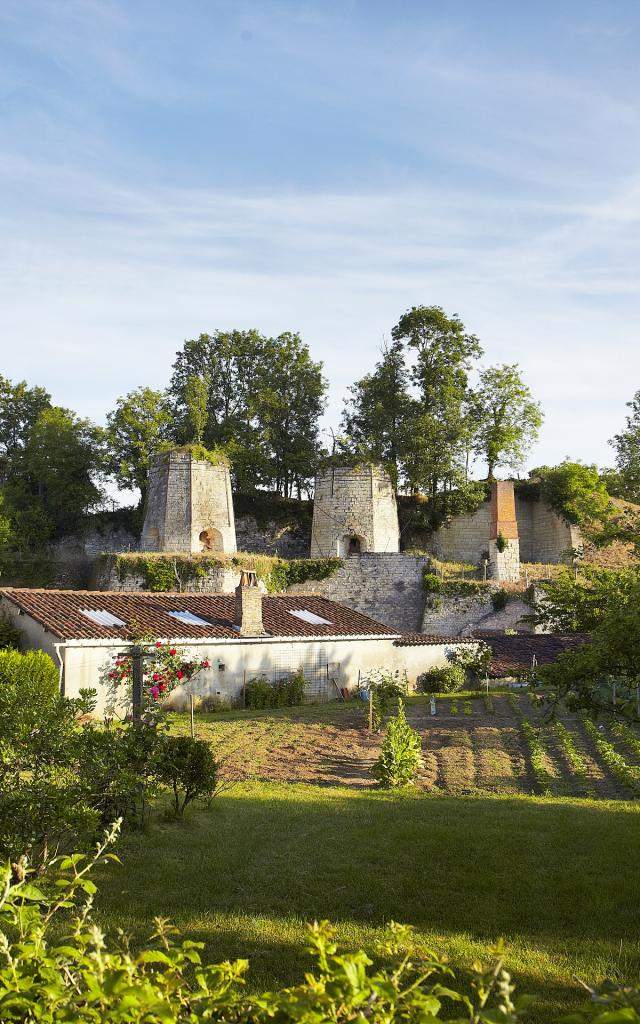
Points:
(543, 535)
(354, 512)
(504, 544)
(190, 506)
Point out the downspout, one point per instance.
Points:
(61, 668)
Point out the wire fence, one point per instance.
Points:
(322, 677)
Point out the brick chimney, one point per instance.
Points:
(504, 545)
(248, 617)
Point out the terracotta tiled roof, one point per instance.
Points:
(512, 654)
(430, 640)
(60, 612)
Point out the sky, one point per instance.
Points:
(168, 169)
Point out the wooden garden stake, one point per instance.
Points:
(193, 727)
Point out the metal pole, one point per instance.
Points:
(136, 665)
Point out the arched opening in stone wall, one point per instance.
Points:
(211, 540)
(351, 544)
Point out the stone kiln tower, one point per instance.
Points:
(190, 507)
(354, 511)
(504, 545)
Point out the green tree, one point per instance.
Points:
(196, 401)
(136, 429)
(264, 400)
(20, 407)
(55, 479)
(627, 449)
(440, 424)
(376, 414)
(289, 402)
(506, 418)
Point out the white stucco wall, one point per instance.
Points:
(346, 657)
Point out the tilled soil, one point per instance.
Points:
(469, 746)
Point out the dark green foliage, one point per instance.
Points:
(284, 573)
(434, 584)
(627, 449)
(574, 491)
(264, 397)
(136, 428)
(448, 679)
(42, 801)
(188, 768)
(116, 767)
(501, 542)
(10, 635)
(499, 599)
(400, 758)
(505, 418)
(287, 692)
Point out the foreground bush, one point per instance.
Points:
(63, 777)
(52, 977)
(448, 679)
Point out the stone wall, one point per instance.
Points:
(388, 587)
(543, 535)
(460, 616)
(354, 504)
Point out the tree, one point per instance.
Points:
(575, 491)
(230, 362)
(264, 398)
(440, 425)
(506, 418)
(136, 428)
(20, 407)
(375, 416)
(196, 399)
(55, 478)
(289, 401)
(627, 448)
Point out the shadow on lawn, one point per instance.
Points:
(555, 879)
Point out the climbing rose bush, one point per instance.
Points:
(164, 667)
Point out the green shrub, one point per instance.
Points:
(400, 758)
(116, 769)
(447, 679)
(188, 768)
(287, 692)
(42, 798)
(499, 599)
(258, 693)
(501, 542)
(384, 688)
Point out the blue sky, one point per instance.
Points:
(170, 168)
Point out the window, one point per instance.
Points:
(101, 617)
(311, 617)
(189, 618)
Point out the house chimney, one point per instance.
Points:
(248, 616)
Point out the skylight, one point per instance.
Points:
(101, 617)
(310, 617)
(189, 618)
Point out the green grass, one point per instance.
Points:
(557, 878)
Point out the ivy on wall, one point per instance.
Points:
(166, 571)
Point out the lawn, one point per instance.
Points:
(556, 877)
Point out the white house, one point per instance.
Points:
(241, 636)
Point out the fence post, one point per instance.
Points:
(136, 667)
(193, 727)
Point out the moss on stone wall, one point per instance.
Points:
(215, 456)
(167, 571)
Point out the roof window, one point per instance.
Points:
(101, 617)
(189, 618)
(310, 617)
